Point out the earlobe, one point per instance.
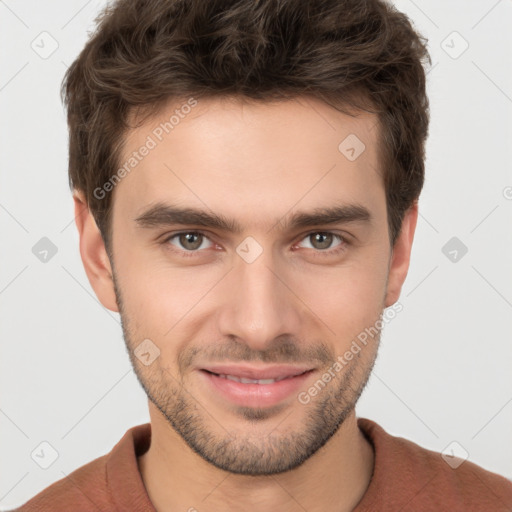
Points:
(400, 258)
(94, 254)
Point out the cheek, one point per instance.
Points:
(160, 300)
(349, 299)
(162, 297)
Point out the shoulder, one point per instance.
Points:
(419, 479)
(110, 482)
(85, 489)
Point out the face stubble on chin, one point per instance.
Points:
(276, 451)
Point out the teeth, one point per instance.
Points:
(243, 380)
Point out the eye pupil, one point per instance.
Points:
(185, 238)
(325, 243)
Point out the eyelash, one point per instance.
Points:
(321, 253)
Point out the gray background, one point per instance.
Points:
(443, 372)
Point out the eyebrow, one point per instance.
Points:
(162, 214)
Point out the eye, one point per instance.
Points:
(189, 241)
(322, 241)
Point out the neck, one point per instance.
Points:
(334, 478)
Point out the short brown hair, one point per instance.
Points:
(362, 54)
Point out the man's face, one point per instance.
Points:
(272, 293)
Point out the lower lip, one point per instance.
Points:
(256, 395)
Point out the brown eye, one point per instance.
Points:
(321, 240)
(189, 241)
(323, 243)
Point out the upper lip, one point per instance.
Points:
(256, 373)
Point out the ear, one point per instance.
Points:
(400, 258)
(94, 254)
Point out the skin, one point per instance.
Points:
(297, 303)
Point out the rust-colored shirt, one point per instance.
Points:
(406, 477)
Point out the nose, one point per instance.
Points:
(260, 304)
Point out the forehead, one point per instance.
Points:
(241, 156)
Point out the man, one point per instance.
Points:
(246, 177)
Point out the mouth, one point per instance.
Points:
(255, 387)
(245, 380)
